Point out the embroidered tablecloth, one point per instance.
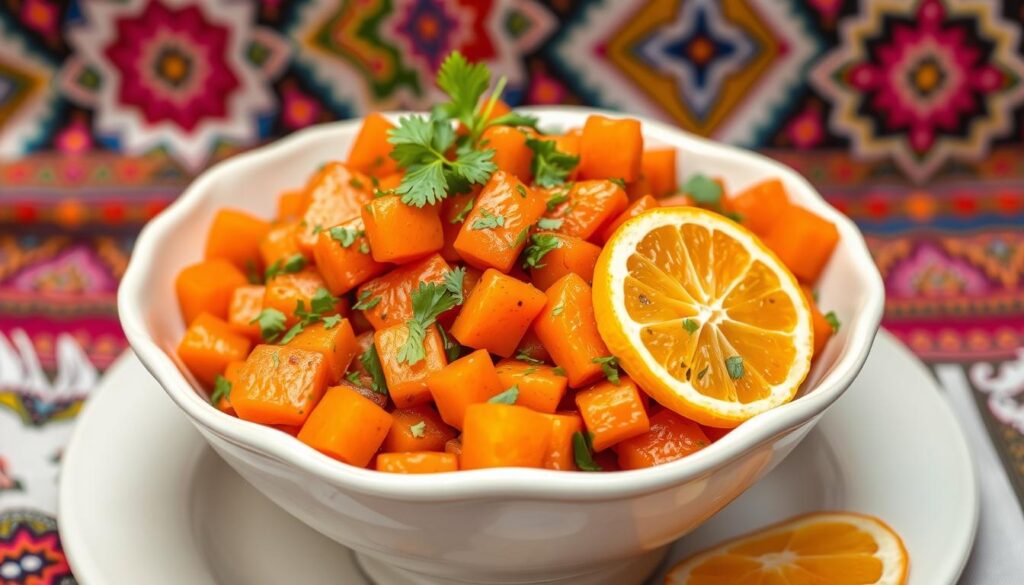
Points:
(907, 116)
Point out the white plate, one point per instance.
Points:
(143, 499)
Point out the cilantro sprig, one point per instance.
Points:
(610, 367)
(371, 363)
(582, 448)
(429, 301)
(321, 306)
(221, 390)
(550, 166)
(540, 245)
(509, 396)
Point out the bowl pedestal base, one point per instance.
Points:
(634, 571)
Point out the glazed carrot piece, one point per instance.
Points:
(285, 291)
(231, 375)
(638, 188)
(468, 380)
(407, 384)
(612, 412)
(531, 347)
(803, 241)
(207, 287)
(821, 327)
(760, 205)
(497, 313)
(511, 154)
(342, 255)
(281, 244)
(394, 291)
(590, 206)
(678, 199)
(495, 231)
(290, 205)
(454, 210)
(572, 255)
(428, 462)
(504, 435)
(400, 233)
(246, 304)
(670, 437)
(540, 388)
(560, 454)
(279, 385)
(390, 182)
(635, 208)
(346, 426)
(335, 195)
(337, 344)
(371, 151)
(209, 345)
(611, 149)
(235, 236)
(417, 429)
(659, 168)
(567, 328)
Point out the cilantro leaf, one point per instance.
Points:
(465, 83)
(703, 190)
(488, 221)
(550, 166)
(364, 302)
(453, 283)
(558, 309)
(610, 367)
(251, 273)
(515, 119)
(321, 303)
(557, 199)
(540, 245)
(332, 321)
(690, 326)
(221, 390)
(290, 265)
(371, 362)
(582, 449)
(507, 397)
(271, 323)
(353, 377)
(734, 365)
(452, 348)
(418, 430)
(525, 357)
(291, 333)
(548, 223)
(833, 321)
(559, 371)
(429, 301)
(345, 236)
(461, 216)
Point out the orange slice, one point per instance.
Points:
(826, 547)
(702, 315)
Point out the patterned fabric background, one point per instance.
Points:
(907, 115)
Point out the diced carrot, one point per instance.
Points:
(280, 244)
(371, 151)
(611, 149)
(231, 375)
(279, 385)
(337, 344)
(394, 290)
(290, 205)
(427, 462)
(235, 236)
(246, 304)
(398, 232)
(454, 210)
(612, 412)
(346, 426)
(504, 435)
(540, 388)
(560, 455)
(760, 204)
(335, 195)
(497, 313)
(531, 347)
(590, 206)
(821, 327)
(390, 182)
(567, 328)
(670, 437)
(572, 255)
(343, 257)
(511, 154)
(468, 380)
(407, 384)
(635, 208)
(803, 241)
(286, 290)
(209, 345)
(207, 287)
(679, 199)
(659, 168)
(496, 230)
(638, 188)
(419, 428)
(714, 433)
(364, 389)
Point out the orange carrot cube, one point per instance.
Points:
(561, 455)
(504, 435)
(337, 344)
(290, 205)
(511, 154)
(246, 304)
(540, 388)
(427, 462)
(670, 437)
(335, 195)
(280, 245)
(371, 151)
(417, 429)
(497, 313)
(590, 206)
(235, 236)
(394, 291)
(398, 232)
(760, 205)
(612, 412)
(567, 328)
(611, 149)
(209, 345)
(496, 230)
(231, 375)
(803, 241)
(572, 255)
(285, 291)
(343, 257)
(468, 380)
(454, 210)
(407, 383)
(279, 385)
(659, 168)
(207, 287)
(346, 426)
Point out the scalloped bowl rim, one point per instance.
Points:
(500, 482)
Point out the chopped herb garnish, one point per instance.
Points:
(521, 189)
(525, 357)
(528, 371)
(364, 248)
(833, 321)
(540, 246)
(356, 183)
(703, 190)
(461, 217)
(251, 274)
(548, 223)
(557, 199)
(559, 371)
(364, 302)
(734, 365)
(429, 301)
(317, 229)
(332, 321)
(550, 166)
(271, 323)
(353, 377)
(690, 326)
(290, 265)
(345, 236)
(521, 237)
(558, 309)
(488, 221)
(619, 181)
(453, 283)
(371, 362)
(221, 390)
(292, 332)
(418, 430)
(507, 397)
(610, 367)
(582, 448)
(452, 348)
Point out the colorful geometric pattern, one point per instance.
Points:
(907, 115)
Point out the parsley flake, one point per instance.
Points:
(525, 357)
(734, 365)
(557, 199)
(558, 309)
(703, 190)
(833, 321)
(290, 265)
(559, 371)
(221, 390)
(619, 181)
(550, 166)
(364, 302)
(549, 223)
(521, 189)
(540, 246)
(353, 377)
(371, 363)
(461, 216)
(271, 323)
(332, 321)
(582, 448)
(418, 430)
(345, 236)
(507, 397)
(488, 221)
(610, 367)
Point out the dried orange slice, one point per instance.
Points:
(702, 315)
(825, 547)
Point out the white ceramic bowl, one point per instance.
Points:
(494, 525)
